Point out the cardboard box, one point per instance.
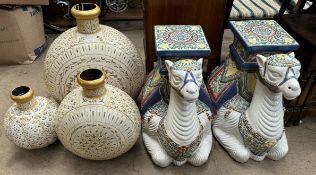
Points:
(21, 34)
(25, 2)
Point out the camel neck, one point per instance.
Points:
(181, 122)
(266, 111)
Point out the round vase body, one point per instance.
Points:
(98, 128)
(106, 49)
(34, 126)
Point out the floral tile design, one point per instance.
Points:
(282, 60)
(231, 72)
(263, 35)
(253, 140)
(218, 89)
(162, 66)
(246, 85)
(181, 40)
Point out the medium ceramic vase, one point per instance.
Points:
(91, 45)
(97, 121)
(30, 121)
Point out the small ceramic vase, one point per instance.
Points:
(91, 45)
(98, 121)
(30, 121)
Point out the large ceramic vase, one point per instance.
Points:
(91, 45)
(30, 121)
(98, 121)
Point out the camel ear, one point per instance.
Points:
(200, 61)
(292, 54)
(169, 65)
(261, 60)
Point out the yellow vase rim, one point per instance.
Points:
(85, 14)
(91, 84)
(25, 97)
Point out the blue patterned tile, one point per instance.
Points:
(181, 40)
(262, 36)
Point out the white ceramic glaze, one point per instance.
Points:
(181, 131)
(90, 45)
(98, 121)
(263, 120)
(30, 121)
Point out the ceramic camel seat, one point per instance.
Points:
(177, 125)
(254, 129)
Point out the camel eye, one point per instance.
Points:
(177, 78)
(275, 74)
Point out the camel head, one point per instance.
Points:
(185, 77)
(279, 73)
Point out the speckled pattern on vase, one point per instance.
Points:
(30, 123)
(91, 45)
(100, 125)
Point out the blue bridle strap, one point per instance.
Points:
(186, 79)
(274, 88)
(286, 78)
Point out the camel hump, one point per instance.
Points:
(160, 109)
(237, 103)
(150, 94)
(202, 107)
(153, 116)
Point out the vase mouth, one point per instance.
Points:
(91, 78)
(85, 11)
(22, 94)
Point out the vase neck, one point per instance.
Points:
(88, 26)
(23, 97)
(94, 93)
(27, 105)
(92, 82)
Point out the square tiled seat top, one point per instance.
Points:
(262, 36)
(181, 40)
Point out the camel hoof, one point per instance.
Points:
(179, 163)
(241, 155)
(199, 160)
(277, 155)
(257, 158)
(160, 159)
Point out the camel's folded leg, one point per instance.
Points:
(202, 154)
(280, 149)
(159, 156)
(233, 146)
(225, 129)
